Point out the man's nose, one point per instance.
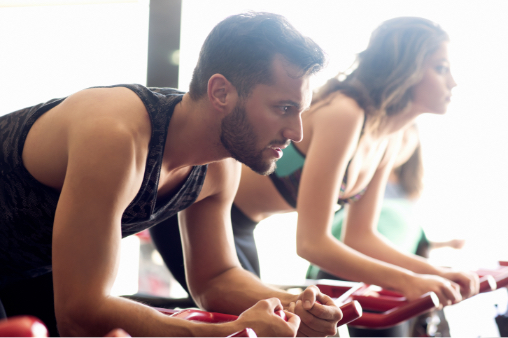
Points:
(294, 131)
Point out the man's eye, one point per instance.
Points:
(284, 109)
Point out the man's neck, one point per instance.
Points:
(193, 135)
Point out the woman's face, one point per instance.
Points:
(434, 91)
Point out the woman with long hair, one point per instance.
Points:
(352, 135)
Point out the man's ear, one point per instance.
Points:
(221, 93)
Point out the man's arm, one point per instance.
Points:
(216, 280)
(106, 156)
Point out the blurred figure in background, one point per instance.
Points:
(398, 225)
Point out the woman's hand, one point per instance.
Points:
(447, 291)
(468, 281)
(262, 318)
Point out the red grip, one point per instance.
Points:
(500, 276)
(399, 314)
(207, 317)
(203, 316)
(487, 283)
(379, 303)
(350, 311)
(22, 326)
(502, 280)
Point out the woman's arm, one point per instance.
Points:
(360, 233)
(335, 134)
(334, 139)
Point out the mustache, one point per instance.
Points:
(280, 143)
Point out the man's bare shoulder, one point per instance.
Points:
(116, 107)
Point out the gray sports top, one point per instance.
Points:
(27, 207)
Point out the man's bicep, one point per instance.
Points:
(101, 180)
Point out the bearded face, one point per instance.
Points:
(240, 140)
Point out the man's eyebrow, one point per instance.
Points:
(290, 103)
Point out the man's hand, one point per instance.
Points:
(447, 291)
(266, 323)
(318, 313)
(468, 281)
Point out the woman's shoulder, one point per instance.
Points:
(341, 111)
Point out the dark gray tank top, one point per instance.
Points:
(27, 207)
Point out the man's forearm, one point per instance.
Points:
(236, 290)
(136, 319)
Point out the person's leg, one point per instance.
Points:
(32, 297)
(246, 250)
(166, 238)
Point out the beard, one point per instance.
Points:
(240, 140)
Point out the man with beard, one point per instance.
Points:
(80, 173)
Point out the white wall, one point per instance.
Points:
(53, 51)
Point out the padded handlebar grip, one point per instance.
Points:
(203, 316)
(350, 311)
(502, 280)
(22, 326)
(399, 314)
(487, 283)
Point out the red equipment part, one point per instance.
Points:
(398, 314)
(203, 316)
(487, 283)
(394, 308)
(350, 311)
(22, 326)
(500, 275)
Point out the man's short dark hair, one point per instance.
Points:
(242, 48)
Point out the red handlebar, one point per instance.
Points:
(500, 275)
(350, 311)
(203, 316)
(395, 308)
(22, 326)
(487, 283)
(399, 314)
